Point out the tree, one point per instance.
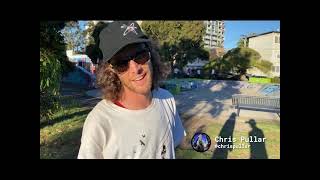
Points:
(238, 60)
(241, 43)
(53, 63)
(50, 74)
(212, 64)
(241, 59)
(244, 41)
(92, 49)
(52, 40)
(219, 64)
(74, 36)
(180, 41)
(87, 33)
(263, 65)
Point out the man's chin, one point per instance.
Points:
(143, 90)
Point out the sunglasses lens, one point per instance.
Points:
(122, 65)
(142, 58)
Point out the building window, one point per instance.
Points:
(277, 39)
(278, 55)
(276, 69)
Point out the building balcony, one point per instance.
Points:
(213, 38)
(209, 32)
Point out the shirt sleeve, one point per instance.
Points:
(178, 129)
(93, 139)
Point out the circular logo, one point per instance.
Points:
(200, 142)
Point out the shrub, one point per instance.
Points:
(173, 88)
(50, 74)
(275, 80)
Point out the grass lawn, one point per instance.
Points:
(270, 149)
(61, 139)
(259, 80)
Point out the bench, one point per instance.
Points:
(256, 103)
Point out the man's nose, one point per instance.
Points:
(135, 67)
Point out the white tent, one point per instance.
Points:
(80, 57)
(77, 57)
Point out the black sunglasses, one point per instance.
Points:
(122, 64)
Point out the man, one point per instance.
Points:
(136, 118)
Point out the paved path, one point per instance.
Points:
(79, 94)
(216, 101)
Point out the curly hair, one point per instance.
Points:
(110, 84)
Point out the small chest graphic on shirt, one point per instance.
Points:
(163, 152)
(142, 141)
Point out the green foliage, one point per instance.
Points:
(52, 40)
(51, 37)
(212, 64)
(88, 33)
(242, 43)
(275, 80)
(180, 41)
(263, 65)
(219, 64)
(241, 58)
(50, 71)
(259, 80)
(265, 80)
(53, 63)
(50, 74)
(173, 88)
(74, 36)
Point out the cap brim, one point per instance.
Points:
(140, 40)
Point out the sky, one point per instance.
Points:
(82, 24)
(234, 30)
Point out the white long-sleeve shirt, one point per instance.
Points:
(111, 131)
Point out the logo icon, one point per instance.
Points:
(130, 28)
(200, 142)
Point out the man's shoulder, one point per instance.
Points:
(98, 109)
(162, 93)
(99, 114)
